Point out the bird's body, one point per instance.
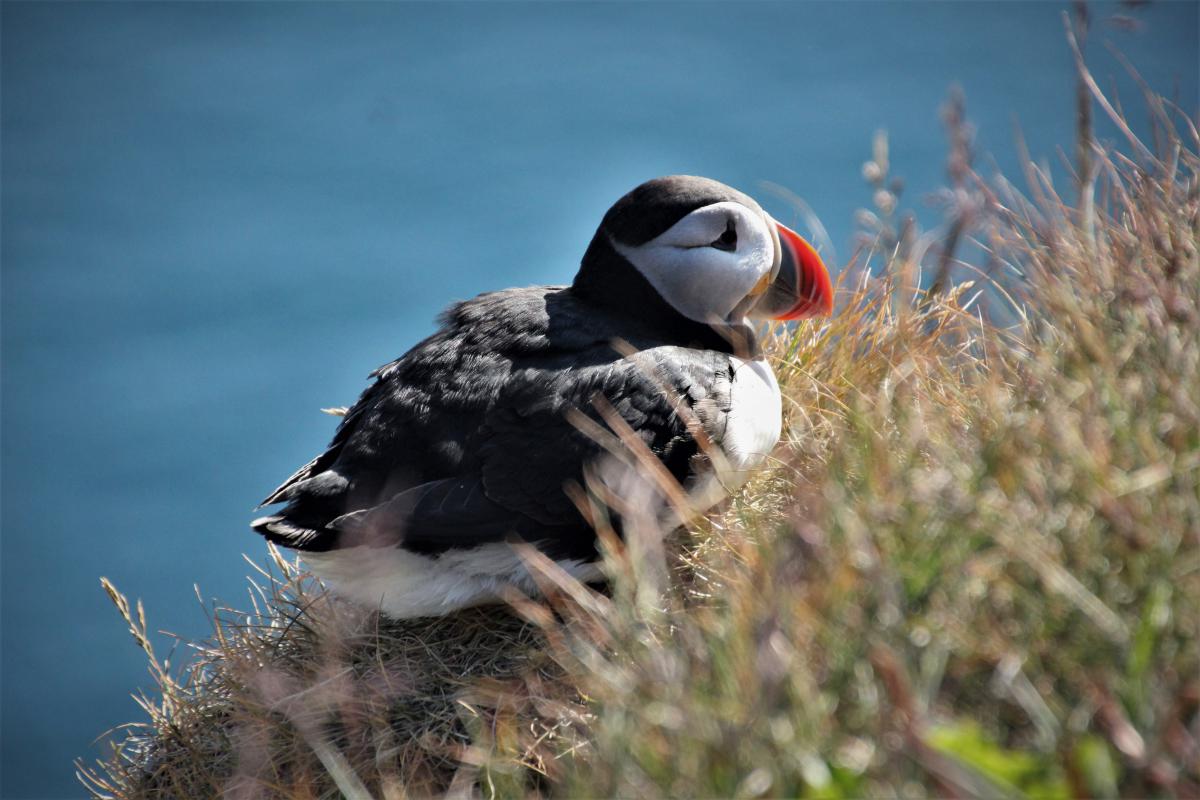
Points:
(468, 441)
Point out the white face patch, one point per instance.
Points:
(700, 281)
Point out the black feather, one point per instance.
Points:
(466, 439)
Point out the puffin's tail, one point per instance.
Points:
(278, 529)
(313, 501)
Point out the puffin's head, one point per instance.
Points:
(709, 252)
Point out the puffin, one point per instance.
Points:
(473, 439)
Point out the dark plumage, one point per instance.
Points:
(465, 440)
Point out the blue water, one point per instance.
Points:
(217, 219)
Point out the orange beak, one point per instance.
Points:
(803, 288)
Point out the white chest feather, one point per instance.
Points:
(755, 415)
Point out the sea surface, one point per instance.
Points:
(218, 218)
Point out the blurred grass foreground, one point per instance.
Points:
(972, 568)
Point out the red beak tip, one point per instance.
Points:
(816, 285)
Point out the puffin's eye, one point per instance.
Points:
(728, 240)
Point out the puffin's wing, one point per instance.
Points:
(534, 446)
(455, 513)
(530, 449)
(537, 442)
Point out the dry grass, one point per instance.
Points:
(309, 696)
(972, 570)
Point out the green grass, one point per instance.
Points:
(972, 567)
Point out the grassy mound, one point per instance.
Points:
(973, 567)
